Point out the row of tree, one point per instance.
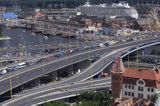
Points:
(88, 99)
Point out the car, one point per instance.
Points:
(3, 71)
(12, 68)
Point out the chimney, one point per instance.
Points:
(139, 69)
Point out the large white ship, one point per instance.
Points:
(118, 9)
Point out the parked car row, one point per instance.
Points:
(13, 68)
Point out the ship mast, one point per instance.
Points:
(87, 2)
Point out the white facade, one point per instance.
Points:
(139, 90)
(126, 31)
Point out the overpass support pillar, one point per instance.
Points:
(54, 75)
(37, 82)
(81, 66)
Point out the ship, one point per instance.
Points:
(116, 9)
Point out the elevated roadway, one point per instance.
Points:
(149, 56)
(58, 92)
(30, 73)
(95, 68)
(140, 65)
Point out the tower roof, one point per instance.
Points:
(118, 66)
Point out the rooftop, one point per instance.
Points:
(149, 74)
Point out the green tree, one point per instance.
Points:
(88, 103)
(98, 98)
(154, 100)
(55, 103)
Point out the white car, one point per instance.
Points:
(3, 71)
(21, 65)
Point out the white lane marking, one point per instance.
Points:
(16, 99)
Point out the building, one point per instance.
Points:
(126, 31)
(141, 83)
(134, 84)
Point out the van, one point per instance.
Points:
(21, 65)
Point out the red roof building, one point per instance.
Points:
(134, 83)
(141, 83)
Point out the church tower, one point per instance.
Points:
(116, 80)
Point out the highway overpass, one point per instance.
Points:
(58, 92)
(96, 67)
(30, 73)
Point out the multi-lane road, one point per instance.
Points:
(30, 73)
(57, 92)
(92, 70)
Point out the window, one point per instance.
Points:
(125, 86)
(140, 88)
(140, 95)
(129, 86)
(140, 82)
(132, 94)
(132, 87)
(148, 97)
(149, 89)
(125, 93)
(129, 94)
(152, 89)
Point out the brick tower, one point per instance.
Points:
(116, 74)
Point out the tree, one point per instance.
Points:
(155, 100)
(95, 98)
(55, 103)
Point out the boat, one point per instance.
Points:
(33, 34)
(46, 37)
(116, 9)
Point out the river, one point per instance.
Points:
(26, 37)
